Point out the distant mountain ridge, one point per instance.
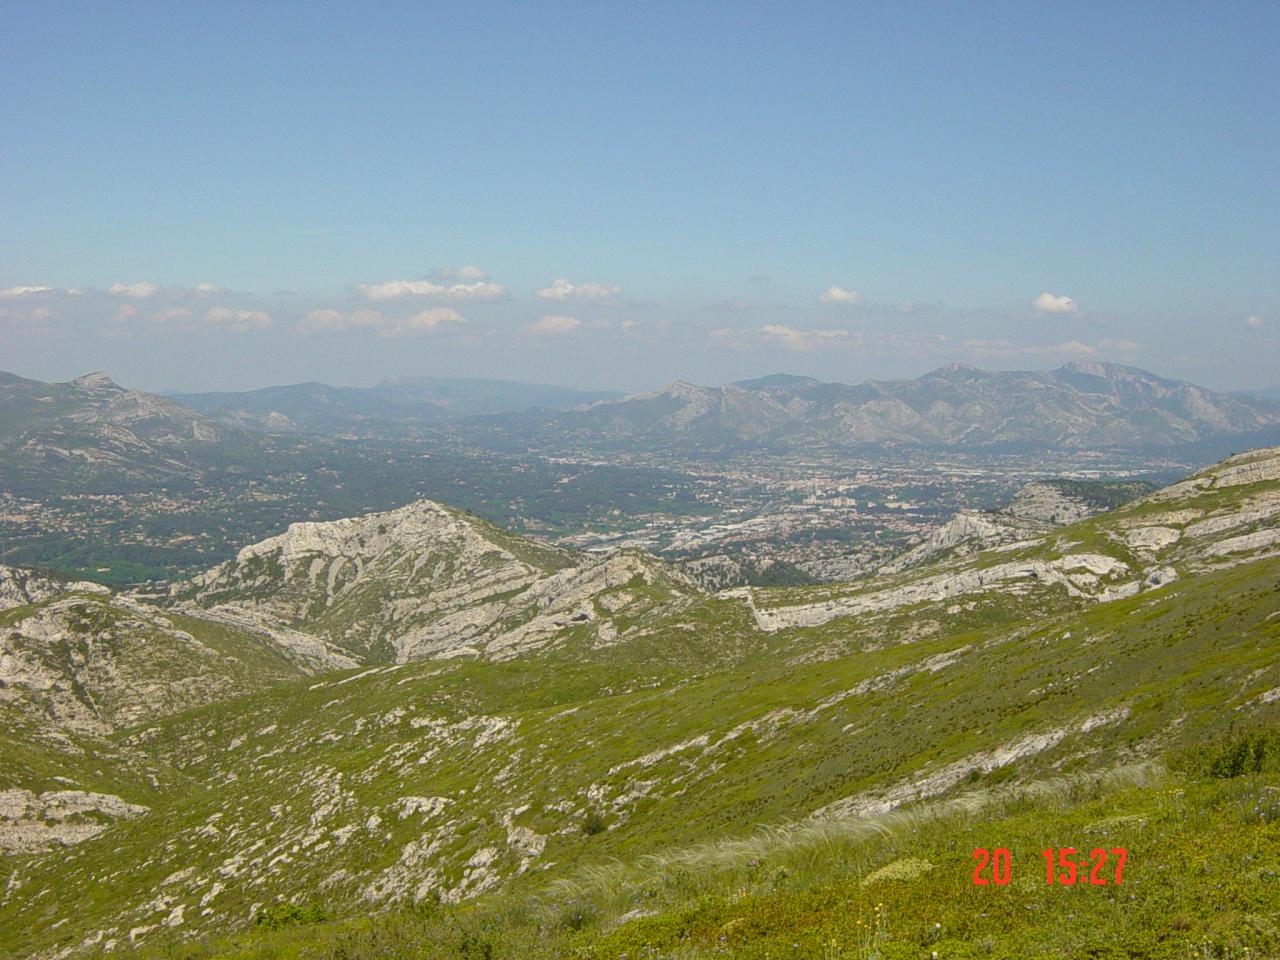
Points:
(61, 431)
(1266, 393)
(1084, 404)
(400, 405)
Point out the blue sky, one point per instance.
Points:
(698, 175)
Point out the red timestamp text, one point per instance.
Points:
(1065, 866)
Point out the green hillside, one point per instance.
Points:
(518, 805)
(896, 887)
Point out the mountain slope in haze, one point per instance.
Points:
(60, 432)
(396, 407)
(427, 581)
(1104, 642)
(101, 482)
(1267, 393)
(1082, 404)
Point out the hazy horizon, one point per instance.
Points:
(367, 384)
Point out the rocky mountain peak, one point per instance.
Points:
(1094, 368)
(424, 581)
(96, 382)
(683, 389)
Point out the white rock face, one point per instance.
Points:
(90, 665)
(1246, 543)
(31, 823)
(1256, 466)
(424, 581)
(1045, 502)
(1078, 573)
(1152, 538)
(936, 782)
(1262, 509)
(966, 534)
(19, 587)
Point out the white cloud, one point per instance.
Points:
(419, 322)
(471, 290)
(16, 293)
(125, 312)
(467, 272)
(1066, 349)
(1120, 346)
(560, 290)
(554, 324)
(383, 326)
(1253, 321)
(1052, 303)
(773, 336)
(835, 294)
(141, 290)
(794, 339)
(41, 313)
(237, 321)
(206, 289)
(173, 313)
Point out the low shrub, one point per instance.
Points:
(277, 916)
(1233, 754)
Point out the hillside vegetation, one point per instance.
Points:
(537, 792)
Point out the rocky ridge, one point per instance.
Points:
(93, 423)
(89, 663)
(1137, 548)
(1080, 405)
(424, 581)
(20, 586)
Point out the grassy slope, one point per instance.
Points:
(116, 664)
(333, 754)
(696, 729)
(1202, 880)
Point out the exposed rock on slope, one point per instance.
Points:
(91, 664)
(966, 534)
(36, 823)
(423, 581)
(1047, 503)
(20, 586)
(445, 780)
(1138, 547)
(1034, 510)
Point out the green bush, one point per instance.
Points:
(276, 916)
(1234, 754)
(474, 947)
(593, 823)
